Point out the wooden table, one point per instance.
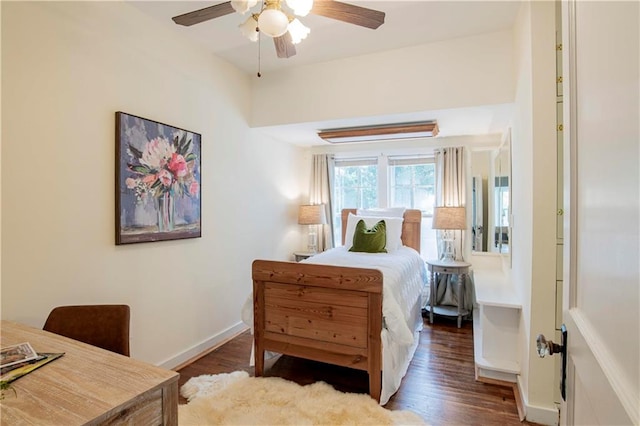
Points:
(87, 385)
(448, 267)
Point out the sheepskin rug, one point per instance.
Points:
(237, 399)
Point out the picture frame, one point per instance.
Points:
(158, 181)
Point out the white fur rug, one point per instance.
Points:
(237, 399)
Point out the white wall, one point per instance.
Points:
(534, 200)
(431, 76)
(66, 68)
(481, 163)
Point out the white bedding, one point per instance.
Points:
(404, 277)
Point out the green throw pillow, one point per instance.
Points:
(371, 240)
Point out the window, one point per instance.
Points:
(387, 181)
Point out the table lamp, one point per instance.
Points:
(312, 215)
(448, 219)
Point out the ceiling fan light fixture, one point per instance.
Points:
(273, 18)
(300, 7)
(298, 31)
(243, 6)
(249, 28)
(273, 22)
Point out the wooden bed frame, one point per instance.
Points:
(331, 314)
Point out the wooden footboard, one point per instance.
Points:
(330, 314)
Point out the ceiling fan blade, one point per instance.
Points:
(284, 46)
(205, 14)
(350, 13)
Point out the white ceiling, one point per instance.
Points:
(407, 23)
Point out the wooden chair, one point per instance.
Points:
(105, 326)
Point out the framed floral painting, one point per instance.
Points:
(157, 181)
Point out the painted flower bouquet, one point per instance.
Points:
(164, 170)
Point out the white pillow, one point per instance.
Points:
(382, 212)
(393, 225)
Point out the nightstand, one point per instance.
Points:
(442, 267)
(302, 255)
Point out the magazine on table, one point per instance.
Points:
(21, 359)
(28, 367)
(15, 354)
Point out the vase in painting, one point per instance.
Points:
(165, 208)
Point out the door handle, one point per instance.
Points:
(546, 347)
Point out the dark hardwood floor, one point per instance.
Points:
(440, 384)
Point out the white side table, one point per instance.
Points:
(302, 255)
(443, 267)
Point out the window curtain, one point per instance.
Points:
(451, 189)
(451, 192)
(320, 193)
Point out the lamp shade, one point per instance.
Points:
(312, 215)
(449, 218)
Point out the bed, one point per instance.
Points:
(330, 308)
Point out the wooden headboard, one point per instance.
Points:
(410, 227)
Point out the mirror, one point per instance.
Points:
(480, 177)
(490, 198)
(478, 213)
(502, 198)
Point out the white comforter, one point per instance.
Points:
(404, 278)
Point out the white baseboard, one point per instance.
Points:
(204, 347)
(540, 415)
(487, 373)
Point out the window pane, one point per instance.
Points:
(350, 197)
(349, 176)
(425, 199)
(402, 175)
(369, 198)
(411, 185)
(401, 197)
(425, 174)
(369, 176)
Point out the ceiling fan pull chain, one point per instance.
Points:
(259, 40)
(259, 51)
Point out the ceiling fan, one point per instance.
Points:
(279, 23)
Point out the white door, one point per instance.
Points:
(601, 182)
